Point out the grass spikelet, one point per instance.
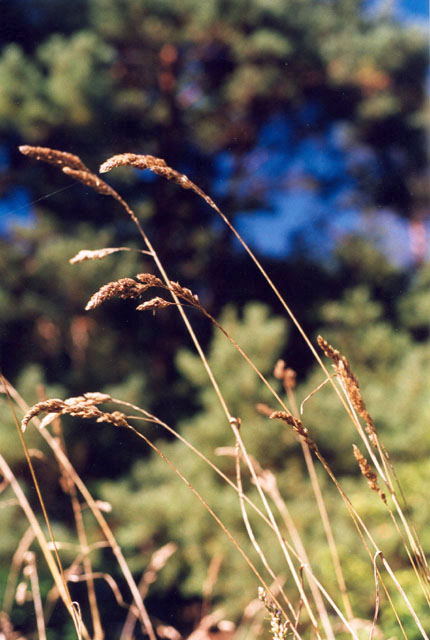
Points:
(150, 280)
(97, 254)
(53, 156)
(158, 166)
(91, 180)
(297, 426)
(154, 304)
(350, 382)
(367, 472)
(81, 406)
(185, 294)
(132, 160)
(123, 288)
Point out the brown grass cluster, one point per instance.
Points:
(313, 612)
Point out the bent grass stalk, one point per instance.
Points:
(72, 166)
(58, 451)
(65, 463)
(92, 181)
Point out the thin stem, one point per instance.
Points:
(31, 571)
(323, 514)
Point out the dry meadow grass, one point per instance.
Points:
(315, 612)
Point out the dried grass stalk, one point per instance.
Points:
(264, 409)
(53, 156)
(367, 472)
(343, 371)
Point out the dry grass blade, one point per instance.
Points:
(49, 557)
(17, 560)
(156, 563)
(251, 534)
(53, 156)
(375, 574)
(64, 461)
(30, 572)
(53, 560)
(214, 516)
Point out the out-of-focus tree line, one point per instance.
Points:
(196, 83)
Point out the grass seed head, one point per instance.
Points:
(91, 180)
(297, 425)
(123, 288)
(367, 472)
(157, 166)
(350, 383)
(97, 254)
(154, 304)
(53, 156)
(80, 406)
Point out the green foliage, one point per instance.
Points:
(414, 308)
(64, 85)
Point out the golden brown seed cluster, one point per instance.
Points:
(368, 473)
(157, 166)
(129, 288)
(350, 382)
(154, 304)
(123, 288)
(92, 181)
(297, 425)
(53, 156)
(81, 406)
